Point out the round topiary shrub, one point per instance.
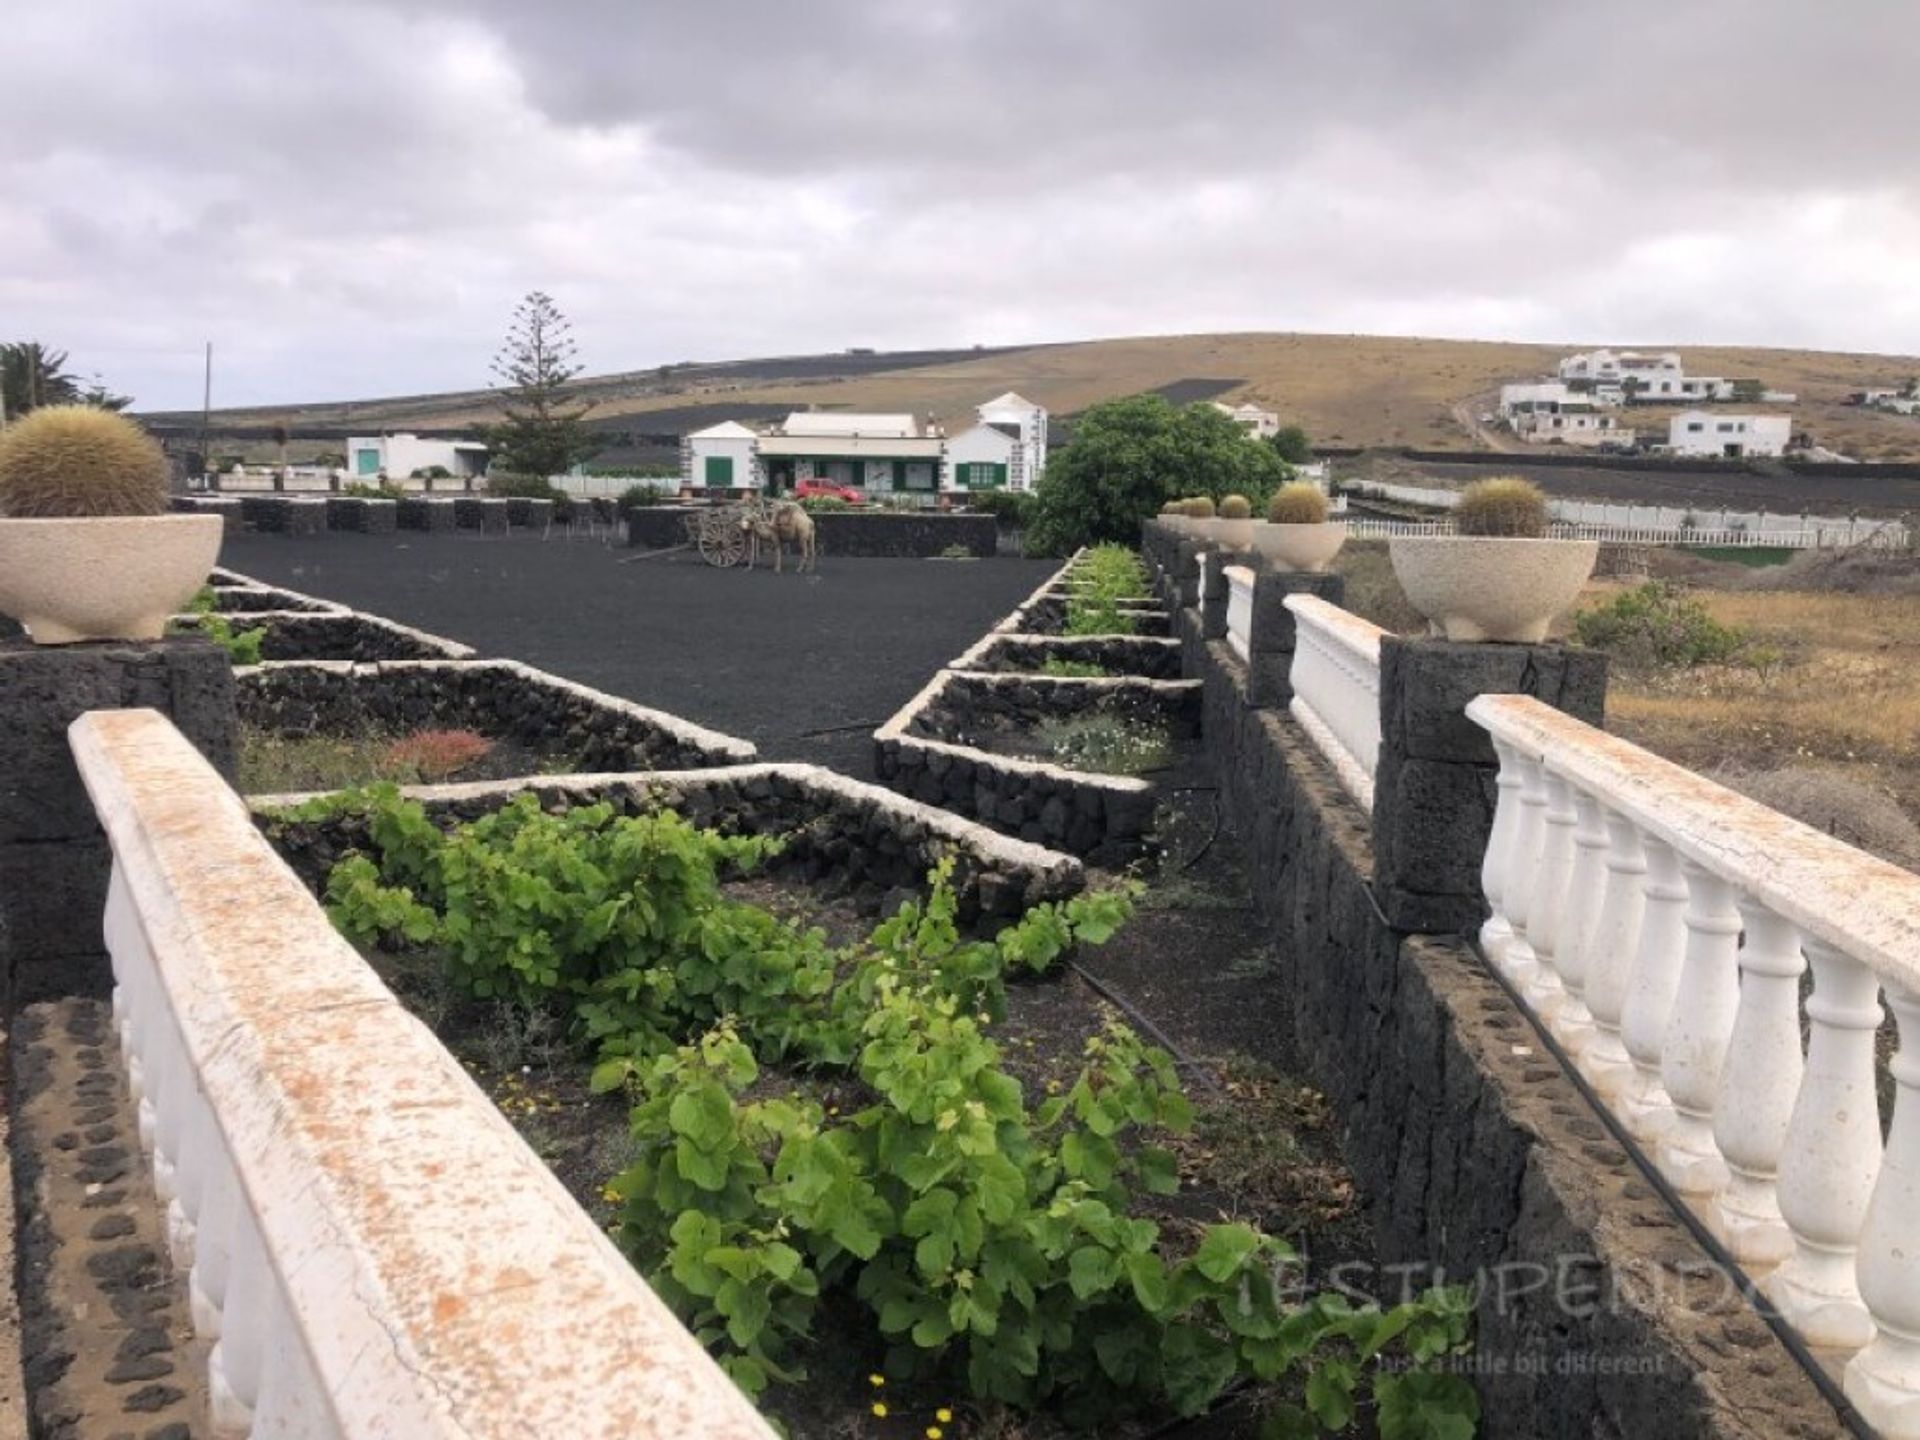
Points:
(1505, 506)
(65, 461)
(1297, 503)
(1200, 507)
(1236, 507)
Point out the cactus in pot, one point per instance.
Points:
(1297, 534)
(87, 551)
(1497, 577)
(1234, 528)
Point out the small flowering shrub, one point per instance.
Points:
(1105, 744)
(435, 755)
(1658, 625)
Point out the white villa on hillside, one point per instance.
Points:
(1655, 378)
(1728, 437)
(1261, 424)
(1006, 448)
(398, 457)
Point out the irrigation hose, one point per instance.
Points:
(1754, 1296)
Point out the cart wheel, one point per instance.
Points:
(723, 546)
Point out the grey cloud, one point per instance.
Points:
(348, 197)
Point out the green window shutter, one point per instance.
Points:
(719, 472)
(366, 462)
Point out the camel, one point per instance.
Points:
(775, 525)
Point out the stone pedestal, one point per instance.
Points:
(1186, 572)
(53, 855)
(1434, 785)
(1213, 594)
(1271, 641)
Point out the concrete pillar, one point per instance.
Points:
(1434, 787)
(1213, 595)
(1271, 642)
(53, 854)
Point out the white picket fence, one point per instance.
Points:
(1618, 523)
(1659, 925)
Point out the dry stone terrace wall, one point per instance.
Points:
(365, 515)
(501, 699)
(842, 837)
(1598, 1313)
(1101, 817)
(1150, 657)
(347, 635)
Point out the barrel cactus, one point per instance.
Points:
(1236, 507)
(1297, 503)
(1505, 506)
(64, 461)
(1200, 508)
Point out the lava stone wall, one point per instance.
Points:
(362, 515)
(842, 838)
(499, 699)
(53, 855)
(1151, 658)
(417, 512)
(970, 703)
(1599, 1314)
(348, 635)
(279, 515)
(1047, 615)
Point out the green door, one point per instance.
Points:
(719, 472)
(366, 462)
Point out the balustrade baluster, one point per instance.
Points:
(1758, 1087)
(1830, 1156)
(1883, 1380)
(1548, 902)
(1497, 933)
(1524, 875)
(1579, 919)
(1698, 1032)
(1611, 952)
(1644, 1105)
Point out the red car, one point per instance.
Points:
(827, 490)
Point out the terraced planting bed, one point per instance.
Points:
(831, 1069)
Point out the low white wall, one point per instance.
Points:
(375, 1249)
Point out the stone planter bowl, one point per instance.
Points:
(114, 577)
(1299, 547)
(1474, 587)
(1234, 534)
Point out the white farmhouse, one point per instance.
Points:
(1532, 394)
(1729, 437)
(1611, 376)
(721, 457)
(881, 454)
(1259, 423)
(398, 457)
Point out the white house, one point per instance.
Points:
(721, 457)
(397, 457)
(1532, 394)
(1027, 462)
(1568, 422)
(878, 453)
(1730, 437)
(1611, 376)
(1260, 424)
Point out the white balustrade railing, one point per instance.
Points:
(1364, 528)
(1660, 925)
(370, 1246)
(1240, 610)
(1336, 689)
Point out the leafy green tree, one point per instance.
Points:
(32, 375)
(543, 433)
(1129, 457)
(1291, 444)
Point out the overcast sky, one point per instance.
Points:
(347, 199)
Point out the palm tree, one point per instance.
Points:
(281, 435)
(32, 375)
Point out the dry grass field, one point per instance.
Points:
(1356, 390)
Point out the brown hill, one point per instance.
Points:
(1358, 390)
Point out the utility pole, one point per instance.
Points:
(206, 418)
